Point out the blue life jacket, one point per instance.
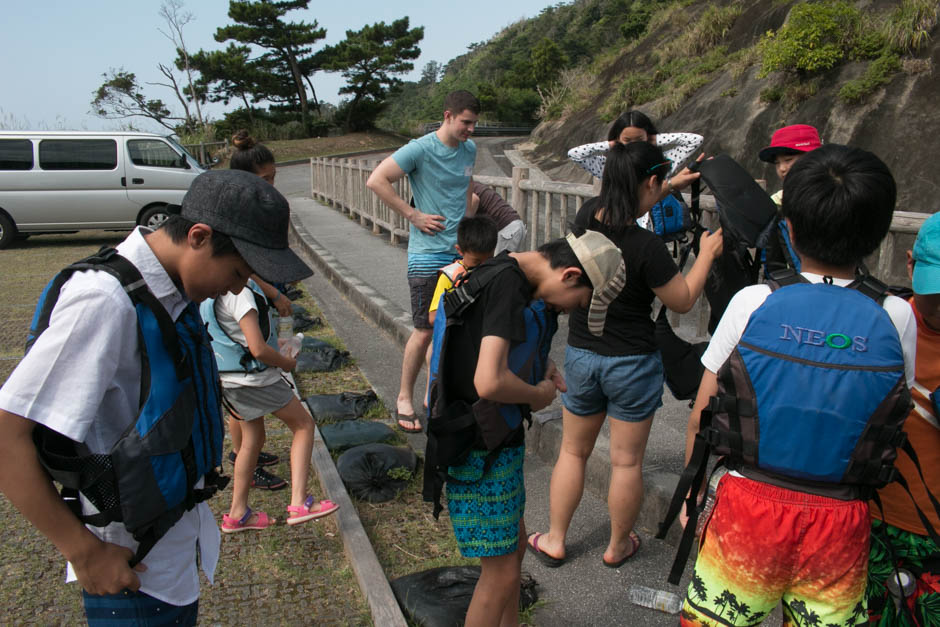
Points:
(456, 427)
(148, 479)
(813, 398)
(815, 391)
(231, 355)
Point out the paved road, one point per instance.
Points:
(583, 591)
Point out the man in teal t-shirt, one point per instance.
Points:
(439, 166)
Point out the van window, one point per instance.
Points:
(152, 152)
(78, 154)
(16, 154)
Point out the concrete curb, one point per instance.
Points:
(386, 314)
(365, 564)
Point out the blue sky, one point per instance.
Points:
(55, 51)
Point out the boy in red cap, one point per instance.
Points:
(787, 145)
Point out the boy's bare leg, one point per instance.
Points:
(415, 352)
(495, 599)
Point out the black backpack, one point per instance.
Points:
(747, 216)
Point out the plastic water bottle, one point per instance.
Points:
(285, 327)
(902, 593)
(709, 499)
(291, 346)
(655, 599)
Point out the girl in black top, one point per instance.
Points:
(619, 373)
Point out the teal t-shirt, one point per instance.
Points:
(439, 177)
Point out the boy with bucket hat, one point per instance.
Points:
(119, 339)
(899, 540)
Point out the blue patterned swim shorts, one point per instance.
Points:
(485, 511)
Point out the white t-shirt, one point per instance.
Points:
(230, 308)
(742, 305)
(82, 379)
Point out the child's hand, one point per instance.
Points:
(105, 569)
(552, 374)
(545, 394)
(711, 244)
(283, 305)
(289, 363)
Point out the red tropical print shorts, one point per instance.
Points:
(764, 545)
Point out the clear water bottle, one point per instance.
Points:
(285, 327)
(709, 499)
(291, 346)
(655, 599)
(901, 593)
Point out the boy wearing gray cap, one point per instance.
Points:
(118, 342)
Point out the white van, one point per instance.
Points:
(60, 181)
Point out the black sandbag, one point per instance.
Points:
(299, 310)
(314, 343)
(303, 322)
(439, 597)
(345, 434)
(342, 406)
(322, 359)
(373, 472)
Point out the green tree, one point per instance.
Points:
(369, 60)
(288, 43)
(547, 61)
(120, 97)
(431, 73)
(230, 74)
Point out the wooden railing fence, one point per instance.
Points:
(547, 208)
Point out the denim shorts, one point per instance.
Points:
(628, 387)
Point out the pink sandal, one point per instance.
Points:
(303, 513)
(230, 525)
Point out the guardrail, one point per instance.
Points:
(547, 208)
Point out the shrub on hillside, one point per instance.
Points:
(815, 37)
(877, 73)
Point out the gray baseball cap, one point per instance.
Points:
(254, 214)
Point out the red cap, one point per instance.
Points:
(791, 140)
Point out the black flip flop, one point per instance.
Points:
(532, 545)
(408, 418)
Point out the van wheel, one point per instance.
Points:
(7, 231)
(154, 216)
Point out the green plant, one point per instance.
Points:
(815, 37)
(399, 473)
(731, 92)
(877, 73)
(771, 94)
(908, 28)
